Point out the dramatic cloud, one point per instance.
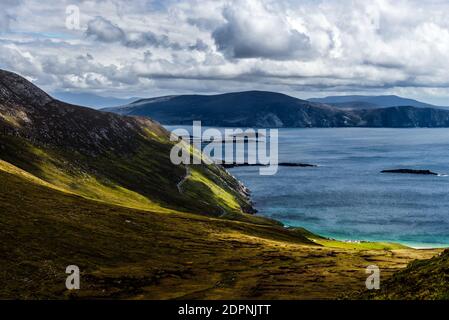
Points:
(304, 48)
(104, 30)
(251, 31)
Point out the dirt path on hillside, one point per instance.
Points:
(184, 179)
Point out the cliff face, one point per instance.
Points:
(104, 156)
(269, 109)
(404, 117)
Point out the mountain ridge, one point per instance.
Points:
(271, 109)
(246, 108)
(91, 100)
(379, 101)
(104, 156)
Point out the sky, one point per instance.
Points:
(308, 48)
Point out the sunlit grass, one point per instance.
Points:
(359, 245)
(226, 199)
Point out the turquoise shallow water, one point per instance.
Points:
(347, 197)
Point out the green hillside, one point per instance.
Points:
(98, 190)
(421, 280)
(102, 156)
(44, 230)
(126, 253)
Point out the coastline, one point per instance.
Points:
(387, 243)
(405, 244)
(419, 245)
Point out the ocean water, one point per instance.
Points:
(346, 197)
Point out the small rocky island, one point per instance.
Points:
(410, 171)
(281, 164)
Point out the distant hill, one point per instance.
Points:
(91, 100)
(370, 102)
(270, 109)
(404, 117)
(250, 108)
(355, 105)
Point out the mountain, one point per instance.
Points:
(106, 157)
(269, 109)
(91, 100)
(98, 190)
(355, 105)
(240, 109)
(370, 102)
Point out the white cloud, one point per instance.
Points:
(253, 30)
(101, 29)
(7, 13)
(303, 48)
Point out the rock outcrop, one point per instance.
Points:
(410, 171)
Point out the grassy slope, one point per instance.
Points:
(103, 156)
(145, 179)
(360, 245)
(98, 190)
(425, 279)
(130, 253)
